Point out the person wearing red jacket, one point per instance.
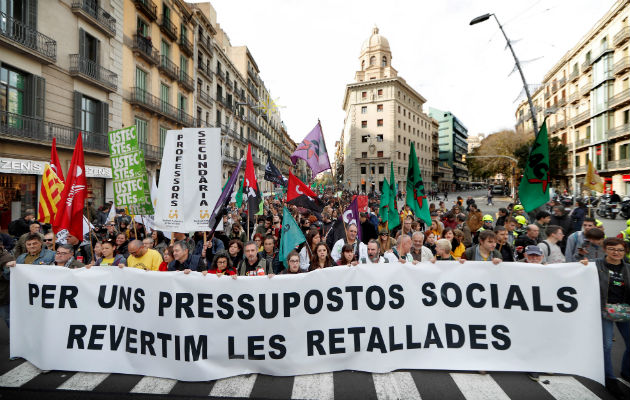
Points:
(221, 265)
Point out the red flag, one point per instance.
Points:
(70, 211)
(54, 161)
(250, 186)
(299, 194)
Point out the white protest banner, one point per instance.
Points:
(190, 180)
(377, 318)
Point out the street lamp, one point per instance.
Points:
(485, 17)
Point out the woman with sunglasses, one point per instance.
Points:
(385, 241)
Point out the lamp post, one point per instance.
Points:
(483, 18)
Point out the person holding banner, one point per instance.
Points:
(485, 250)
(402, 251)
(64, 257)
(347, 256)
(109, 257)
(221, 265)
(312, 239)
(614, 279)
(293, 260)
(254, 264)
(168, 257)
(143, 258)
(374, 251)
(183, 260)
(351, 238)
(323, 259)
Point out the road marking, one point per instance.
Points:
(153, 385)
(19, 375)
(314, 386)
(566, 388)
(395, 385)
(236, 386)
(478, 387)
(83, 381)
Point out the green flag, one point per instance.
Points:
(534, 188)
(416, 196)
(239, 196)
(393, 219)
(383, 209)
(290, 237)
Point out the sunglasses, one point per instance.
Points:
(48, 240)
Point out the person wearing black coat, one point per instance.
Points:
(368, 230)
(561, 218)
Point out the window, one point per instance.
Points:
(141, 129)
(89, 115)
(363, 124)
(89, 48)
(381, 169)
(399, 123)
(364, 110)
(12, 92)
(372, 61)
(404, 113)
(141, 80)
(379, 138)
(380, 92)
(379, 108)
(379, 153)
(626, 117)
(384, 62)
(142, 28)
(364, 154)
(183, 64)
(364, 138)
(362, 169)
(398, 109)
(398, 152)
(364, 95)
(163, 131)
(398, 138)
(165, 49)
(624, 151)
(379, 122)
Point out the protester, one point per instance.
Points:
(143, 258)
(592, 246)
(6, 261)
(443, 251)
(360, 250)
(614, 282)
(235, 251)
(221, 265)
(542, 221)
(183, 260)
(148, 243)
(20, 226)
(167, 259)
(506, 250)
(429, 241)
(462, 225)
(474, 218)
(35, 253)
(418, 251)
(530, 238)
(485, 250)
(347, 256)
(109, 256)
(385, 241)
(121, 245)
(576, 239)
(64, 257)
(457, 248)
(402, 251)
(502, 216)
(552, 253)
(323, 260)
(253, 264)
(533, 255)
(313, 238)
(159, 241)
(33, 229)
(293, 262)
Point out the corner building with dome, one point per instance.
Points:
(383, 115)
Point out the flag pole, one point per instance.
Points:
(89, 234)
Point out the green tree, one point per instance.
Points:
(558, 158)
(502, 143)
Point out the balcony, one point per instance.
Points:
(205, 71)
(253, 90)
(582, 117)
(586, 89)
(622, 36)
(574, 97)
(618, 164)
(147, 101)
(91, 72)
(228, 104)
(554, 87)
(561, 125)
(94, 14)
(147, 7)
(142, 47)
(37, 131)
(151, 152)
(185, 46)
(27, 39)
(580, 170)
(186, 81)
(205, 42)
(251, 73)
(228, 159)
(561, 103)
(205, 97)
(620, 99)
(587, 64)
(582, 142)
(606, 76)
(168, 67)
(252, 121)
(168, 27)
(573, 76)
(233, 134)
(603, 50)
(621, 66)
(220, 75)
(617, 132)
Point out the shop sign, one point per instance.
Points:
(93, 171)
(17, 166)
(626, 178)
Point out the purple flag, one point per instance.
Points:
(313, 151)
(221, 207)
(351, 216)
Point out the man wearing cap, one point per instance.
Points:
(532, 255)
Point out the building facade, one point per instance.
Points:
(453, 137)
(384, 115)
(586, 97)
(60, 75)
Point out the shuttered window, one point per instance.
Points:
(90, 115)
(162, 135)
(141, 129)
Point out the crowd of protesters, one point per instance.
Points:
(242, 247)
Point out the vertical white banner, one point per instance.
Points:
(190, 179)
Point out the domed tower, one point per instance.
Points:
(375, 59)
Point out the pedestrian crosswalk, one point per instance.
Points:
(411, 384)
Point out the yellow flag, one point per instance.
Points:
(593, 181)
(50, 195)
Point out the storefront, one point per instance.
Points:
(20, 181)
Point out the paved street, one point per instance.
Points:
(20, 379)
